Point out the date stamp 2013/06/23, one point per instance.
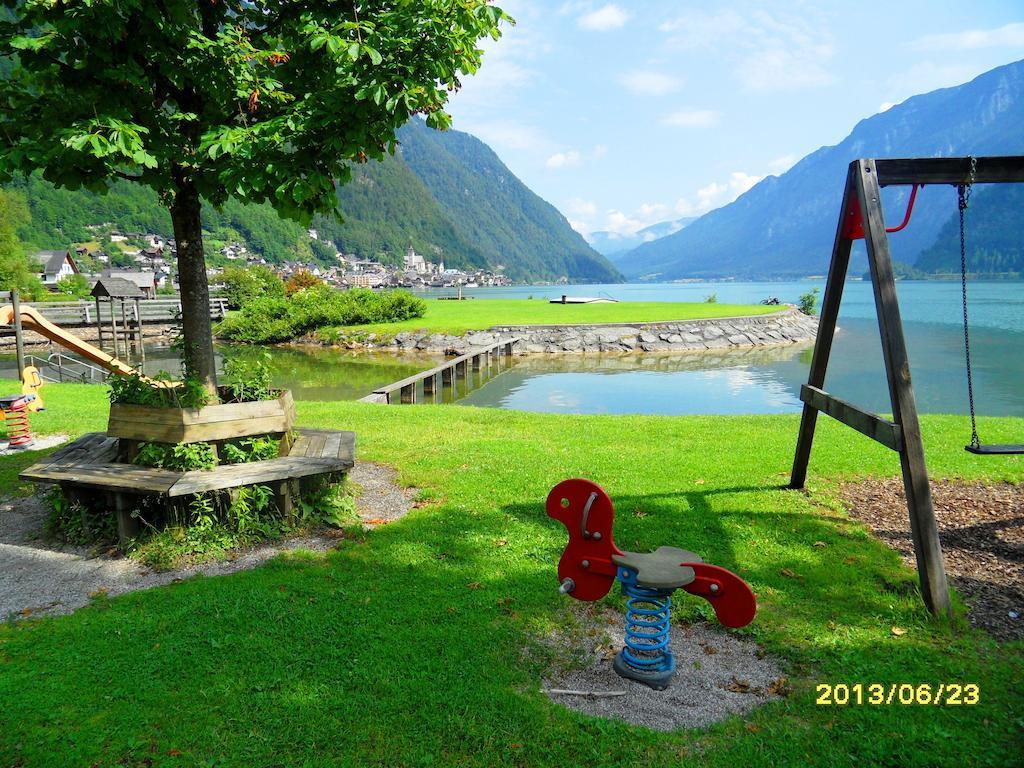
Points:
(906, 694)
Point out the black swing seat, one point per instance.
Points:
(995, 450)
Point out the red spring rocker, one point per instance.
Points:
(19, 430)
(591, 563)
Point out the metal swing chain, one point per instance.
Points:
(963, 200)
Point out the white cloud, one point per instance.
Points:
(885, 106)
(1006, 36)
(649, 83)
(782, 164)
(653, 212)
(603, 19)
(580, 207)
(506, 134)
(692, 118)
(568, 159)
(600, 151)
(768, 52)
(582, 228)
(508, 65)
(716, 194)
(620, 224)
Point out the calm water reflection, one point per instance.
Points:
(767, 381)
(737, 382)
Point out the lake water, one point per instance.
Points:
(768, 381)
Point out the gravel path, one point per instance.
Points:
(381, 499)
(717, 675)
(41, 443)
(40, 577)
(981, 528)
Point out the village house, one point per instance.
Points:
(56, 266)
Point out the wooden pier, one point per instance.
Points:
(464, 368)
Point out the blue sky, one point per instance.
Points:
(628, 113)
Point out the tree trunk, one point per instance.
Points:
(197, 351)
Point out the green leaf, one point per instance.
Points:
(375, 56)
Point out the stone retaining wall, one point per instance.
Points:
(789, 326)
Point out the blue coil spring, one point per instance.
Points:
(648, 617)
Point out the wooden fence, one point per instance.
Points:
(80, 314)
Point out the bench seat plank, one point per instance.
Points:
(88, 462)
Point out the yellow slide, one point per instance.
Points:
(33, 321)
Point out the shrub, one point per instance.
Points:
(76, 286)
(275, 320)
(808, 302)
(133, 389)
(249, 378)
(301, 280)
(244, 284)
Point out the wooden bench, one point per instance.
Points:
(90, 464)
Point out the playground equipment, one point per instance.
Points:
(861, 217)
(591, 563)
(27, 318)
(975, 446)
(19, 432)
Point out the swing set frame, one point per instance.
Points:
(861, 216)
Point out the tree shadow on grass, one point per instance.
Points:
(407, 647)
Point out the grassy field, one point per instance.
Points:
(413, 645)
(457, 317)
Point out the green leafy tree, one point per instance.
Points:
(808, 302)
(74, 285)
(243, 284)
(260, 100)
(16, 271)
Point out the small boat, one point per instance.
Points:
(584, 300)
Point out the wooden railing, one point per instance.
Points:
(480, 361)
(78, 314)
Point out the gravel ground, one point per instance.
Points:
(981, 528)
(717, 675)
(381, 499)
(40, 577)
(40, 444)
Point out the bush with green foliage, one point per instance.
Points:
(75, 524)
(275, 320)
(75, 286)
(133, 389)
(249, 378)
(243, 284)
(182, 457)
(808, 302)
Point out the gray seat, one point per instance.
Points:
(660, 569)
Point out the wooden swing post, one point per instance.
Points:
(861, 216)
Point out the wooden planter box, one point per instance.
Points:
(193, 425)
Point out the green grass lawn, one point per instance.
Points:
(407, 647)
(457, 317)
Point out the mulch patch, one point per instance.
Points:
(981, 528)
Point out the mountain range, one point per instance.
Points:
(784, 226)
(446, 194)
(615, 245)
